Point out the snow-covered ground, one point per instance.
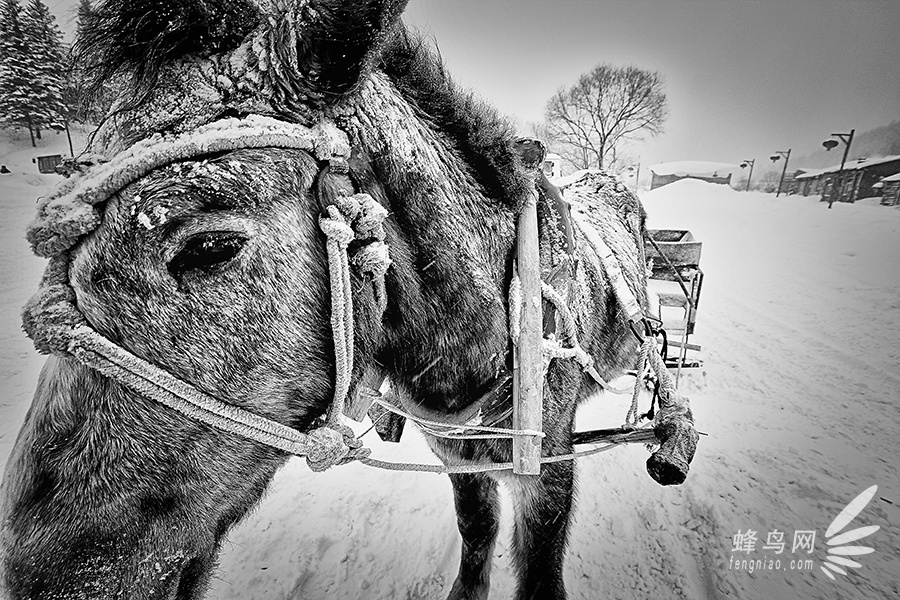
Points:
(799, 320)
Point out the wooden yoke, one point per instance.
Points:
(528, 372)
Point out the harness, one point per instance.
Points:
(56, 325)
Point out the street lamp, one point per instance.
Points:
(744, 164)
(775, 157)
(847, 138)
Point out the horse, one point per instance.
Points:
(210, 264)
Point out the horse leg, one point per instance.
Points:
(543, 504)
(477, 516)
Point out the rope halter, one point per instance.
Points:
(53, 321)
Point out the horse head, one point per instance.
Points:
(209, 264)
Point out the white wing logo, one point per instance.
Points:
(838, 550)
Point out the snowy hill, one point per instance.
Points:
(881, 141)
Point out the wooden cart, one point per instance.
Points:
(674, 287)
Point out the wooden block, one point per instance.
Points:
(388, 425)
(366, 392)
(674, 428)
(670, 464)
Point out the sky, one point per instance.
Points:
(743, 78)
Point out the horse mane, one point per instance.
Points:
(482, 136)
(136, 39)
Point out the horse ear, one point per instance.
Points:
(339, 43)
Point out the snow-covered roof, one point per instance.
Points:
(894, 177)
(697, 168)
(812, 173)
(851, 165)
(877, 161)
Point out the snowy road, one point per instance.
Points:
(799, 319)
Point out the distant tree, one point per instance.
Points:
(14, 75)
(46, 61)
(589, 123)
(768, 182)
(32, 68)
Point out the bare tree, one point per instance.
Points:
(768, 183)
(589, 122)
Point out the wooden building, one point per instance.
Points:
(890, 190)
(666, 173)
(790, 184)
(810, 182)
(856, 181)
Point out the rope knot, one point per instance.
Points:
(336, 228)
(331, 446)
(373, 259)
(364, 214)
(371, 218)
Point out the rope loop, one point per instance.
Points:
(357, 217)
(568, 345)
(648, 348)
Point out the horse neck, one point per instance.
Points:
(446, 326)
(72, 425)
(101, 481)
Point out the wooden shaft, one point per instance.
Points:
(620, 435)
(528, 379)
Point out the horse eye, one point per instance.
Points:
(206, 252)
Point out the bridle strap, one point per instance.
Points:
(358, 217)
(54, 322)
(339, 234)
(68, 214)
(323, 447)
(95, 351)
